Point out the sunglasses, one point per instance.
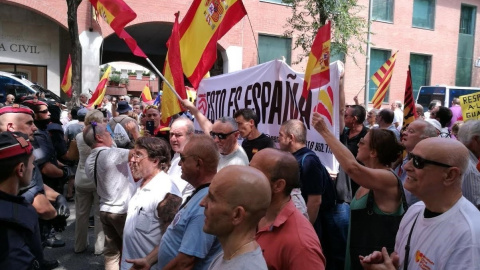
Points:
(44, 111)
(94, 124)
(419, 162)
(221, 136)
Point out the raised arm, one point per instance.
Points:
(202, 120)
(375, 179)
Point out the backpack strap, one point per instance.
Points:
(95, 167)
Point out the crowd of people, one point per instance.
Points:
(160, 196)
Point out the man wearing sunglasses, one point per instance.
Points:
(417, 131)
(442, 231)
(225, 134)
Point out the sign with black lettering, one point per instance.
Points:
(274, 91)
(470, 106)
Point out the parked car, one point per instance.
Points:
(18, 86)
(443, 93)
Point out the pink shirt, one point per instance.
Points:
(291, 242)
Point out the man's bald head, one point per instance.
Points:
(277, 164)
(237, 199)
(448, 151)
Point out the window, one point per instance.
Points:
(273, 47)
(467, 20)
(377, 59)
(382, 10)
(420, 67)
(423, 14)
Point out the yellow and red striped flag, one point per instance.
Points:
(382, 79)
(317, 73)
(409, 111)
(67, 78)
(146, 96)
(118, 14)
(99, 93)
(204, 24)
(174, 74)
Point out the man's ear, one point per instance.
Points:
(238, 215)
(279, 186)
(251, 122)
(451, 176)
(10, 127)
(20, 169)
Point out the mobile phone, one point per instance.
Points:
(149, 127)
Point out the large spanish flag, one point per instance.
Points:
(67, 78)
(317, 73)
(382, 79)
(118, 14)
(173, 72)
(99, 93)
(204, 24)
(146, 96)
(409, 111)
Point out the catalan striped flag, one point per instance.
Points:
(204, 24)
(118, 14)
(67, 78)
(382, 79)
(409, 111)
(173, 72)
(99, 93)
(317, 73)
(146, 95)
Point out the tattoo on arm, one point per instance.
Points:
(167, 209)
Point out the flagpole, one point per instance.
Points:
(367, 67)
(165, 80)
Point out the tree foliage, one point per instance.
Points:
(348, 29)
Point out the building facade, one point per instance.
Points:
(438, 38)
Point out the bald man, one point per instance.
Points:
(286, 237)
(236, 201)
(443, 230)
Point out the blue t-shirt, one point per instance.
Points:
(185, 234)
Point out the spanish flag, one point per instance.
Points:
(317, 73)
(204, 24)
(118, 14)
(99, 93)
(173, 72)
(409, 111)
(382, 79)
(146, 96)
(67, 78)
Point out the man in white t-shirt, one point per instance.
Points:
(224, 132)
(180, 131)
(398, 114)
(443, 230)
(108, 168)
(154, 204)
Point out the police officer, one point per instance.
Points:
(21, 247)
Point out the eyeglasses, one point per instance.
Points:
(221, 136)
(44, 111)
(138, 157)
(419, 162)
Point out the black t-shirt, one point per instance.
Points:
(253, 146)
(314, 178)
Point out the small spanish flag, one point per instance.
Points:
(67, 78)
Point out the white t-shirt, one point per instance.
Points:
(175, 173)
(142, 227)
(448, 241)
(115, 184)
(398, 118)
(237, 157)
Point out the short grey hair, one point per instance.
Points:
(228, 120)
(188, 123)
(88, 133)
(468, 130)
(296, 128)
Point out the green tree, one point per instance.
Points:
(348, 29)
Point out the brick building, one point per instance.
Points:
(437, 38)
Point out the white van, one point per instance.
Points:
(443, 93)
(18, 86)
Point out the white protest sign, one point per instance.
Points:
(274, 91)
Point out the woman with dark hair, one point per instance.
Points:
(379, 203)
